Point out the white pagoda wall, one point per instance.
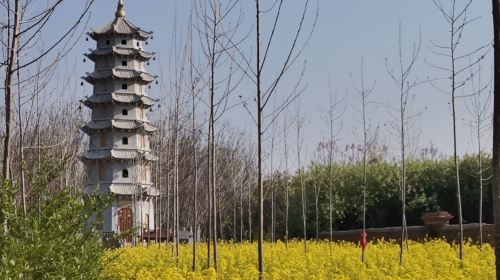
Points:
(111, 214)
(135, 141)
(117, 41)
(105, 113)
(112, 172)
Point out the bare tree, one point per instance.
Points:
(194, 81)
(20, 31)
(264, 93)
(299, 122)
(317, 191)
(333, 120)
(457, 18)
(287, 198)
(362, 95)
(401, 79)
(478, 106)
(217, 35)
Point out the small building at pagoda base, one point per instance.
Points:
(119, 154)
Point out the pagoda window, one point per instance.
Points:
(125, 112)
(124, 42)
(125, 140)
(108, 42)
(125, 173)
(124, 63)
(138, 44)
(102, 173)
(104, 140)
(124, 86)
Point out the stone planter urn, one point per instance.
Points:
(435, 222)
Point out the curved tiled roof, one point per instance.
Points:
(140, 54)
(118, 74)
(120, 26)
(118, 124)
(128, 98)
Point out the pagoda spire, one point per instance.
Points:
(120, 10)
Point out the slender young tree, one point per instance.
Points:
(287, 188)
(333, 120)
(457, 18)
(217, 34)
(317, 191)
(363, 94)
(299, 122)
(264, 93)
(401, 79)
(194, 81)
(479, 106)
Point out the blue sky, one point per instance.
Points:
(346, 30)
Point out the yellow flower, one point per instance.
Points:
(433, 259)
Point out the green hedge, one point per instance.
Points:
(430, 187)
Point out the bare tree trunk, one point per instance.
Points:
(195, 183)
(273, 209)
(235, 236)
(9, 84)
(496, 132)
(250, 213)
(480, 160)
(316, 206)
(260, 150)
(212, 152)
(299, 121)
(21, 146)
(241, 208)
(168, 208)
(176, 178)
(209, 198)
(286, 180)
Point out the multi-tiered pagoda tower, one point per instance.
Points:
(119, 155)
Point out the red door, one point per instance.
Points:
(125, 220)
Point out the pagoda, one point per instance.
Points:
(119, 154)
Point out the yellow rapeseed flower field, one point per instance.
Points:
(430, 260)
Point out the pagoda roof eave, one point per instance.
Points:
(120, 26)
(116, 73)
(122, 98)
(118, 124)
(121, 188)
(118, 154)
(119, 51)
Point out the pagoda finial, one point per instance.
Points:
(120, 11)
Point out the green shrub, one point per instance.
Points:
(54, 240)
